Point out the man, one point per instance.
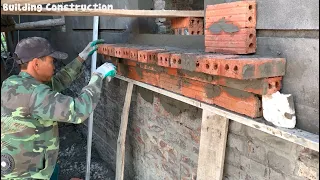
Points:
(31, 107)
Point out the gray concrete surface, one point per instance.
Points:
(278, 14)
(302, 75)
(284, 15)
(187, 42)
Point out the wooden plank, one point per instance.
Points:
(296, 136)
(40, 24)
(114, 12)
(22, 2)
(213, 140)
(122, 134)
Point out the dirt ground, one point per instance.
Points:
(72, 156)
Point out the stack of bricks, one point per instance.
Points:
(219, 76)
(188, 26)
(231, 28)
(233, 82)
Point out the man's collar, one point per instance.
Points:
(24, 74)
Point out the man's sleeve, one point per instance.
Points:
(51, 105)
(63, 79)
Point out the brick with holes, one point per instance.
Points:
(229, 98)
(186, 22)
(253, 68)
(241, 13)
(133, 53)
(231, 28)
(234, 66)
(149, 56)
(262, 86)
(104, 49)
(164, 59)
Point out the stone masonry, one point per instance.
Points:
(163, 142)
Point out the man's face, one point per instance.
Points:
(45, 68)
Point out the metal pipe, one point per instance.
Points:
(90, 123)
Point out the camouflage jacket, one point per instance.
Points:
(30, 112)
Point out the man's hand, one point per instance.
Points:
(106, 70)
(90, 49)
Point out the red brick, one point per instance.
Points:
(232, 50)
(242, 35)
(232, 99)
(247, 20)
(180, 22)
(170, 83)
(105, 49)
(253, 68)
(133, 53)
(119, 52)
(241, 14)
(257, 86)
(188, 22)
(242, 42)
(210, 64)
(138, 74)
(231, 44)
(190, 31)
(164, 59)
(175, 60)
(231, 5)
(196, 31)
(261, 86)
(149, 56)
(232, 66)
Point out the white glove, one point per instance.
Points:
(90, 49)
(106, 70)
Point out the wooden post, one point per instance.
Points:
(214, 132)
(122, 134)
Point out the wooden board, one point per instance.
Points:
(213, 140)
(114, 12)
(32, 1)
(296, 136)
(122, 134)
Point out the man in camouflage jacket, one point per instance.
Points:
(31, 107)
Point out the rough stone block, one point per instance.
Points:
(236, 142)
(269, 140)
(236, 128)
(233, 157)
(256, 150)
(253, 168)
(233, 173)
(280, 163)
(310, 173)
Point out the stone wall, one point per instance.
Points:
(163, 138)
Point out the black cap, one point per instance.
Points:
(35, 47)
